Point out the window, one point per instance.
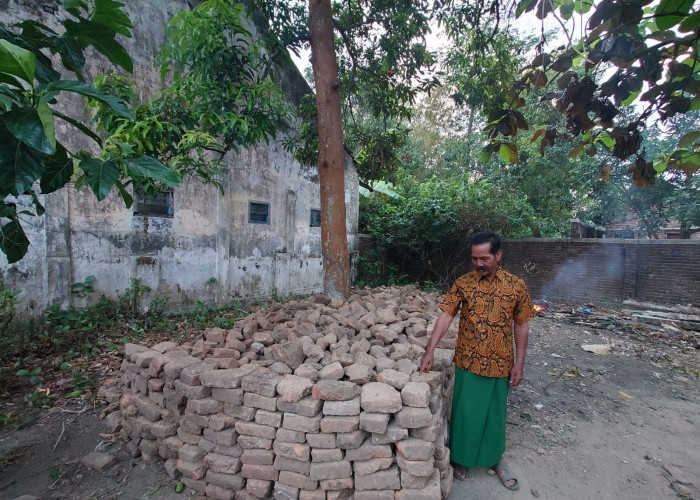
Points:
(315, 217)
(258, 212)
(160, 205)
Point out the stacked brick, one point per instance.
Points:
(315, 399)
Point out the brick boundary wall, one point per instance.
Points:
(602, 270)
(607, 270)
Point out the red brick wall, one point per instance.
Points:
(607, 270)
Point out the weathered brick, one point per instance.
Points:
(307, 407)
(264, 417)
(259, 488)
(368, 451)
(380, 398)
(326, 455)
(257, 430)
(415, 394)
(297, 480)
(257, 401)
(147, 408)
(205, 406)
(291, 436)
(374, 422)
(339, 424)
(292, 465)
(376, 495)
(393, 433)
(293, 388)
(300, 423)
(231, 396)
(364, 467)
(226, 437)
(264, 472)
(416, 467)
(387, 479)
(223, 464)
(285, 492)
(331, 470)
(232, 482)
(263, 382)
(296, 451)
(162, 429)
(195, 484)
(334, 390)
(191, 453)
(415, 449)
(220, 421)
(321, 440)
(244, 413)
(251, 442)
(192, 391)
(218, 493)
(350, 440)
(342, 408)
(258, 457)
(191, 470)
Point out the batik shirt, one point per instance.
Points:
(489, 308)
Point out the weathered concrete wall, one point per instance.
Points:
(208, 236)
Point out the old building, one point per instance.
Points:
(261, 234)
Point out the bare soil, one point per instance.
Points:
(623, 425)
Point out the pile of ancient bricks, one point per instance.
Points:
(314, 399)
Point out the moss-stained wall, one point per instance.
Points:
(208, 236)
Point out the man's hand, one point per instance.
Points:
(426, 362)
(516, 375)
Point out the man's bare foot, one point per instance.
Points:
(506, 479)
(460, 472)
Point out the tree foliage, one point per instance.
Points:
(633, 52)
(30, 89)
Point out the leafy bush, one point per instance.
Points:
(424, 233)
(8, 302)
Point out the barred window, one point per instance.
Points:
(315, 217)
(160, 205)
(258, 212)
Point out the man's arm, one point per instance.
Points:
(441, 326)
(521, 333)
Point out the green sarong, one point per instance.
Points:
(478, 423)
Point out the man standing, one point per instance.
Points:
(495, 308)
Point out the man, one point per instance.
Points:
(495, 308)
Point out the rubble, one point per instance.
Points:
(310, 399)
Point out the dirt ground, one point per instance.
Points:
(622, 425)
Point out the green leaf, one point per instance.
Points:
(40, 210)
(89, 279)
(485, 156)
(689, 138)
(13, 242)
(79, 126)
(101, 176)
(146, 166)
(525, 6)
(20, 165)
(26, 125)
(663, 17)
(97, 35)
(58, 171)
(632, 97)
(17, 61)
(690, 23)
(582, 6)
(509, 152)
(128, 199)
(115, 103)
(109, 13)
(46, 117)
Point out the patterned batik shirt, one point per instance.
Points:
(489, 308)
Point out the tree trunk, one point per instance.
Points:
(331, 155)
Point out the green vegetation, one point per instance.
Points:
(59, 354)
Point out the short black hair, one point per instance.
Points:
(484, 237)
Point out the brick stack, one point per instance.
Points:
(315, 399)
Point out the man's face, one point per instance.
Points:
(485, 263)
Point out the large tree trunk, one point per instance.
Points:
(331, 155)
